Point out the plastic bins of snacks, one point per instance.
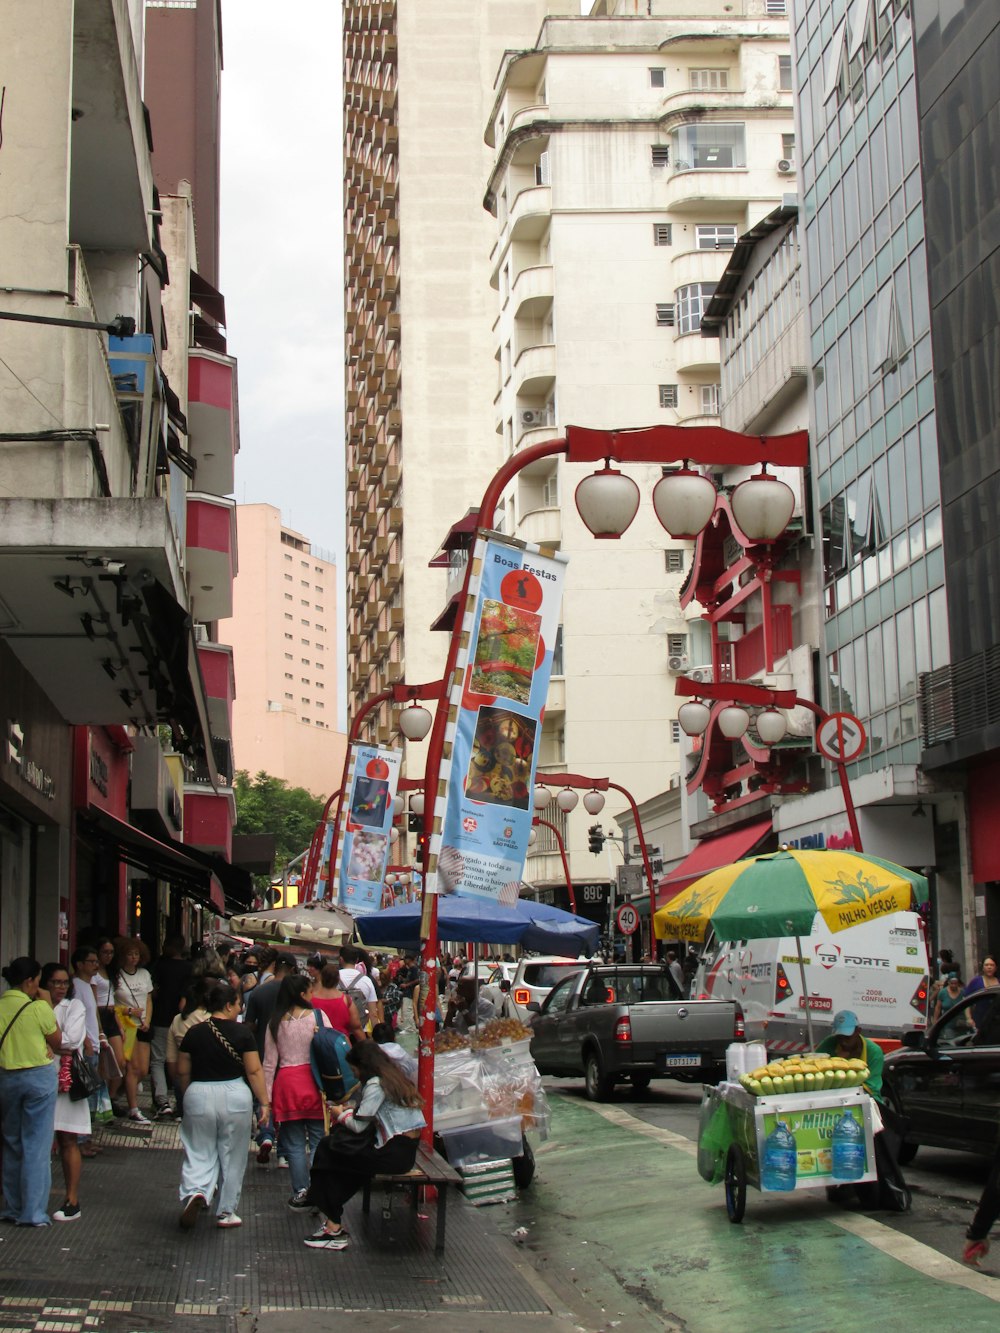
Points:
(464, 1145)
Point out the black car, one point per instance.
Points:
(945, 1082)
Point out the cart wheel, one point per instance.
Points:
(524, 1166)
(736, 1184)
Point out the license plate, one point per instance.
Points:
(680, 1061)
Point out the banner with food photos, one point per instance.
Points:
(495, 723)
(366, 827)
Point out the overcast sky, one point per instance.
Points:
(282, 256)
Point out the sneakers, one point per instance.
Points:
(136, 1117)
(299, 1202)
(192, 1207)
(228, 1220)
(327, 1240)
(974, 1251)
(164, 1111)
(282, 1163)
(264, 1152)
(69, 1212)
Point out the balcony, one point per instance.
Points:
(111, 175)
(693, 354)
(209, 818)
(216, 663)
(211, 555)
(213, 432)
(532, 291)
(543, 526)
(530, 213)
(535, 371)
(695, 266)
(555, 701)
(689, 191)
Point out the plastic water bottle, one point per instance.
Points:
(848, 1149)
(779, 1167)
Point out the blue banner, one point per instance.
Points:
(366, 826)
(498, 701)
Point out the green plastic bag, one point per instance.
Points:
(714, 1139)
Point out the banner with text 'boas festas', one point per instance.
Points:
(366, 826)
(495, 720)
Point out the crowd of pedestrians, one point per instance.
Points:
(223, 1042)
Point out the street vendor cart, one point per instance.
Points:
(736, 1127)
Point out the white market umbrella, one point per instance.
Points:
(317, 923)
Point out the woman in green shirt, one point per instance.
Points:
(29, 1037)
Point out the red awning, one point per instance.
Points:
(722, 850)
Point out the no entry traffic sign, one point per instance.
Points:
(841, 737)
(627, 919)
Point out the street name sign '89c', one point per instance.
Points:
(627, 919)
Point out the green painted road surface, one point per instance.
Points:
(619, 1215)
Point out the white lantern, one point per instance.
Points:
(394, 835)
(415, 722)
(684, 501)
(532, 837)
(607, 501)
(593, 802)
(771, 726)
(397, 806)
(541, 796)
(567, 800)
(733, 722)
(417, 803)
(694, 717)
(762, 507)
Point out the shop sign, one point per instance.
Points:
(365, 828)
(29, 772)
(497, 700)
(813, 1134)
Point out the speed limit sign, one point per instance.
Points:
(627, 919)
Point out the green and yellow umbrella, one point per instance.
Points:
(769, 897)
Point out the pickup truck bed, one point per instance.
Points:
(616, 1023)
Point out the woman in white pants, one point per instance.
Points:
(216, 1062)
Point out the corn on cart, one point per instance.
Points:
(737, 1125)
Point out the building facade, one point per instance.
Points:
(285, 635)
(631, 151)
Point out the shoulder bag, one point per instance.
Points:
(84, 1080)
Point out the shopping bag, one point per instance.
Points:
(107, 1065)
(714, 1139)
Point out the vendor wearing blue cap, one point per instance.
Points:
(846, 1040)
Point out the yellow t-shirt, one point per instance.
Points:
(25, 1046)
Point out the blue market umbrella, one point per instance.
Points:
(532, 925)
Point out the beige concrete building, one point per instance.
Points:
(418, 84)
(284, 632)
(632, 148)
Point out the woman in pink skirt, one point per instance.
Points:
(295, 1100)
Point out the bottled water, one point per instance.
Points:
(848, 1149)
(778, 1172)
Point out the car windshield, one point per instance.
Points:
(547, 974)
(628, 988)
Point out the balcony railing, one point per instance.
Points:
(748, 652)
(958, 702)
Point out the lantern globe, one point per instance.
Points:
(733, 722)
(607, 501)
(541, 796)
(694, 717)
(415, 722)
(762, 506)
(771, 726)
(532, 837)
(567, 800)
(593, 802)
(684, 502)
(397, 806)
(417, 803)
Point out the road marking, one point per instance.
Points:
(626, 1121)
(918, 1256)
(913, 1253)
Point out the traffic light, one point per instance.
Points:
(414, 823)
(595, 838)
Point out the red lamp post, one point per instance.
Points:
(544, 823)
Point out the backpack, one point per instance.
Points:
(328, 1059)
(354, 993)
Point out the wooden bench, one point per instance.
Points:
(430, 1168)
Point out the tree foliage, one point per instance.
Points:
(265, 804)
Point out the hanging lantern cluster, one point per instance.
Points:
(770, 724)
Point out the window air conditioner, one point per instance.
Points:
(785, 166)
(701, 673)
(678, 662)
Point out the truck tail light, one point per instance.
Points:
(782, 986)
(739, 1026)
(522, 996)
(623, 1029)
(919, 998)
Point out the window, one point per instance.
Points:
(691, 304)
(288, 675)
(709, 80)
(657, 78)
(675, 731)
(775, 7)
(288, 596)
(788, 147)
(785, 73)
(660, 153)
(709, 146)
(550, 491)
(677, 645)
(288, 636)
(888, 349)
(668, 395)
(288, 578)
(674, 560)
(558, 664)
(288, 656)
(715, 237)
(662, 233)
(288, 696)
(322, 630)
(542, 170)
(287, 556)
(710, 400)
(665, 316)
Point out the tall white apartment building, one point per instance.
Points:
(630, 153)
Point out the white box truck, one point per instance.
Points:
(880, 970)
